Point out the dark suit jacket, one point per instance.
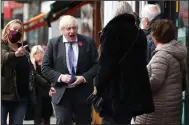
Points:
(54, 64)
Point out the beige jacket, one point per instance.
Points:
(165, 72)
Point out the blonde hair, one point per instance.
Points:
(9, 24)
(66, 21)
(35, 49)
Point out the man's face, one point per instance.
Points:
(144, 23)
(70, 33)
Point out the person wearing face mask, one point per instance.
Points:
(70, 63)
(18, 77)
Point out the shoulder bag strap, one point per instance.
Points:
(130, 48)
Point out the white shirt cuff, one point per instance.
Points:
(84, 80)
(59, 78)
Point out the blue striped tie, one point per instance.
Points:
(71, 62)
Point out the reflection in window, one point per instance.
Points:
(183, 22)
(87, 20)
(84, 17)
(183, 14)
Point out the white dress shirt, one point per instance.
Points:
(76, 53)
(75, 50)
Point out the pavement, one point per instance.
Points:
(53, 121)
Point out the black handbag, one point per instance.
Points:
(102, 104)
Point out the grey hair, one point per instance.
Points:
(122, 7)
(150, 11)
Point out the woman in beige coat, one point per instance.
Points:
(166, 70)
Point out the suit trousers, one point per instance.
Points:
(69, 106)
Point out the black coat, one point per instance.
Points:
(129, 80)
(43, 108)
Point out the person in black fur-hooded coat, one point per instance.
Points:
(126, 83)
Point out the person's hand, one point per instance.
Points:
(65, 78)
(21, 51)
(52, 91)
(95, 91)
(79, 80)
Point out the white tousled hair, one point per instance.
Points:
(67, 21)
(35, 49)
(122, 7)
(150, 11)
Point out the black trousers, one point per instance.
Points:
(126, 121)
(120, 117)
(43, 110)
(69, 106)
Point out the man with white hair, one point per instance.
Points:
(149, 14)
(70, 63)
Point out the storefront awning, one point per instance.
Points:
(58, 9)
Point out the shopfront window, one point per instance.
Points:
(183, 14)
(87, 20)
(84, 17)
(183, 37)
(183, 22)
